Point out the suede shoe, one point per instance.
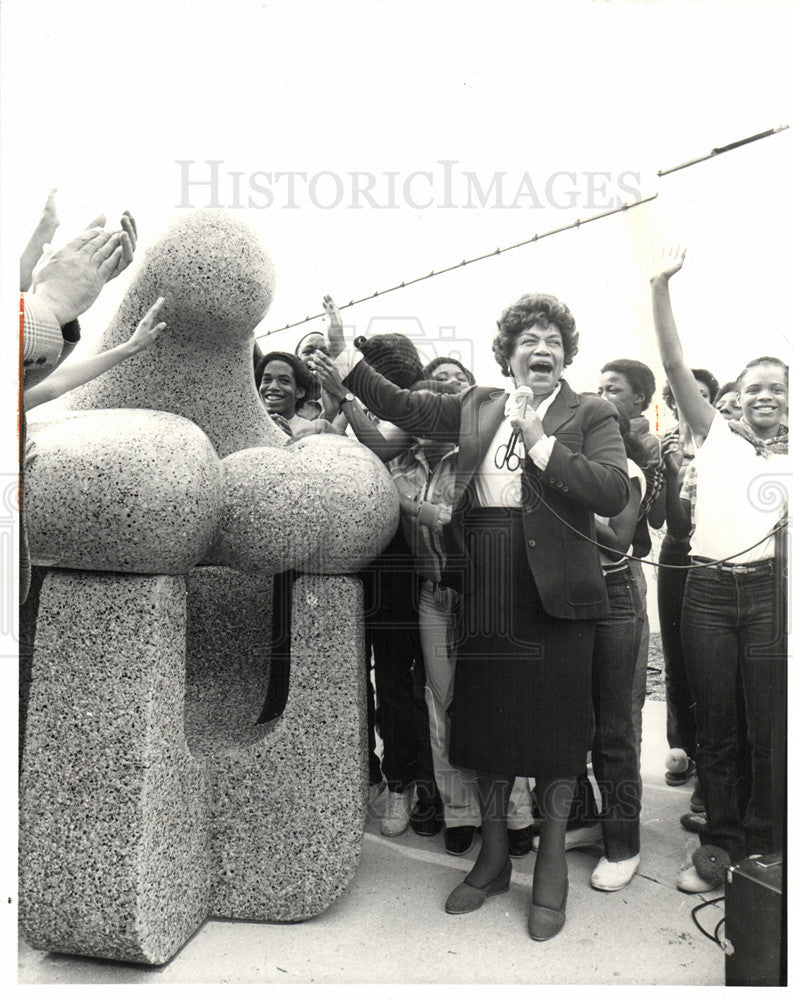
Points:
(519, 841)
(609, 876)
(697, 803)
(708, 869)
(467, 898)
(426, 819)
(397, 814)
(694, 822)
(682, 775)
(458, 840)
(545, 922)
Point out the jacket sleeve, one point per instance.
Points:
(46, 344)
(422, 413)
(596, 476)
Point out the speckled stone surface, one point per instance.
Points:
(134, 491)
(218, 283)
(150, 800)
(273, 516)
(359, 496)
(323, 505)
(288, 812)
(228, 643)
(114, 844)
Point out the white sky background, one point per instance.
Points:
(118, 92)
(101, 100)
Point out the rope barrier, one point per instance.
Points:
(537, 236)
(473, 260)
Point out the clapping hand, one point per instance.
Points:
(328, 374)
(671, 452)
(70, 279)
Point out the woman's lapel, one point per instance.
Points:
(480, 419)
(561, 409)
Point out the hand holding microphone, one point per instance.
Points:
(523, 417)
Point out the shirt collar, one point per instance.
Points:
(541, 408)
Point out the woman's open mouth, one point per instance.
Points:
(541, 367)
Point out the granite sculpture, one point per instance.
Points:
(162, 505)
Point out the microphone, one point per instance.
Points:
(524, 397)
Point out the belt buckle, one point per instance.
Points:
(741, 569)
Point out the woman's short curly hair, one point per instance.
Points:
(534, 307)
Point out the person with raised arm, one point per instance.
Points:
(56, 288)
(77, 372)
(732, 609)
(534, 467)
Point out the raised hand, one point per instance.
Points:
(669, 263)
(129, 240)
(147, 330)
(42, 236)
(70, 280)
(335, 337)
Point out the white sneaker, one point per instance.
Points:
(583, 836)
(579, 836)
(609, 876)
(397, 814)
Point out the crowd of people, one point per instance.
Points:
(506, 622)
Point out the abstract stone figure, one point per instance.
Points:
(218, 283)
(151, 798)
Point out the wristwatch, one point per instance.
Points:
(349, 398)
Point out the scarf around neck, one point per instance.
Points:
(776, 445)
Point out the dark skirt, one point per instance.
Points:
(522, 688)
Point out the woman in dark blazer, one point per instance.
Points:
(534, 467)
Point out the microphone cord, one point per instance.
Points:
(782, 523)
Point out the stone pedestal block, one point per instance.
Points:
(288, 812)
(114, 843)
(151, 799)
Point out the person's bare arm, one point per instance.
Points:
(657, 513)
(385, 446)
(618, 533)
(335, 336)
(75, 373)
(697, 411)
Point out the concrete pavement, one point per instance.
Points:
(390, 925)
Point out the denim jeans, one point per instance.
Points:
(614, 756)
(681, 725)
(639, 684)
(730, 625)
